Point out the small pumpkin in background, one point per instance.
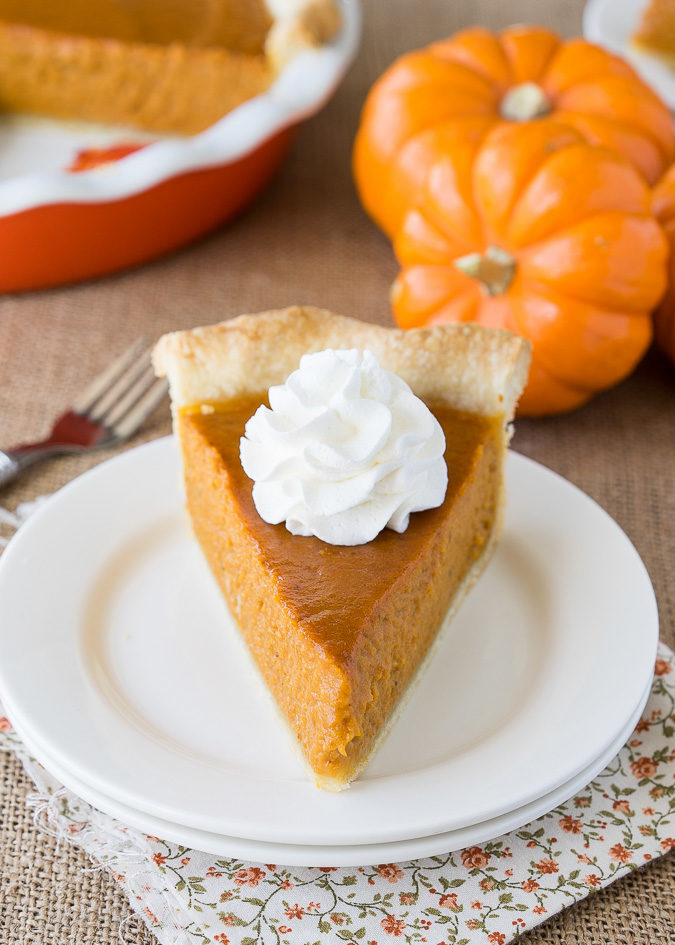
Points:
(664, 316)
(476, 79)
(534, 230)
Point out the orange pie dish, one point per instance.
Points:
(340, 633)
(166, 67)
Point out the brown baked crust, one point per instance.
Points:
(298, 26)
(465, 366)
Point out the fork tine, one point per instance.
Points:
(141, 409)
(108, 377)
(119, 388)
(121, 406)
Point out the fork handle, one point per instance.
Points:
(10, 467)
(14, 461)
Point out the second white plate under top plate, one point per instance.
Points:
(362, 854)
(118, 653)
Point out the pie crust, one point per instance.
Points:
(462, 365)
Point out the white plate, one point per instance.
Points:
(117, 652)
(361, 855)
(611, 23)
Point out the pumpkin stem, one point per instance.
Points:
(524, 102)
(494, 269)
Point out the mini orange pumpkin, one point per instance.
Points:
(536, 231)
(664, 316)
(476, 79)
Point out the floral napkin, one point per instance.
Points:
(484, 894)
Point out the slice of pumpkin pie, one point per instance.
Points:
(345, 483)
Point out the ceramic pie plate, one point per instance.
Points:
(119, 658)
(612, 24)
(58, 227)
(345, 855)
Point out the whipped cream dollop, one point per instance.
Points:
(344, 450)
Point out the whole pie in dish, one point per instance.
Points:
(338, 632)
(162, 65)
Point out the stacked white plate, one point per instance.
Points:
(121, 669)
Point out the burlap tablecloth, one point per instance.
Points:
(307, 240)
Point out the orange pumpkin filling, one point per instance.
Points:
(338, 632)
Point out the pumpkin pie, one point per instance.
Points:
(162, 65)
(656, 30)
(341, 633)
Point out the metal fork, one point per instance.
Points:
(108, 411)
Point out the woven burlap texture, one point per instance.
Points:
(307, 241)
